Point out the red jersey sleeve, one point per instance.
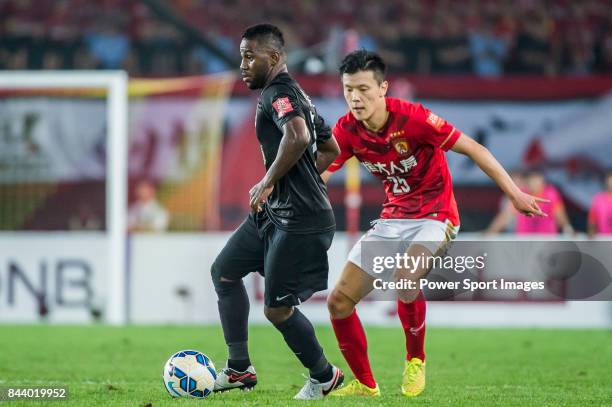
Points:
(346, 152)
(432, 129)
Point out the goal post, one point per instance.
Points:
(115, 84)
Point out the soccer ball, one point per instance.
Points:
(189, 373)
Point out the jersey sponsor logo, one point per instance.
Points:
(391, 168)
(435, 121)
(282, 106)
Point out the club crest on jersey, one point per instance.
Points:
(282, 106)
(401, 146)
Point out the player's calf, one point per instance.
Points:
(233, 307)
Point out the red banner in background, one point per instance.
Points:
(467, 87)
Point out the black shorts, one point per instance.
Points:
(294, 265)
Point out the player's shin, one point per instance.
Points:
(300, 336)
(233, 306)
(354, 347)
(412, 317)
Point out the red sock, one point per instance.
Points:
(412, 316)
(354, 346)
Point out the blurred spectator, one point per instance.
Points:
(450, 52)
(410, 52)
(579, 42)
(556, 218)
(340, 42)
(82, 59)
(358, 38)
(146, 214)
(159, 49)
(488, 49)
(525, 37)
(85, 219)
(209, 63)
(505, 220)
(332, 54)
(108, 45)
(600, 215)
(603, 47)
(534, 52)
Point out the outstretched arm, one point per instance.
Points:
(523, 202)
(296, 139)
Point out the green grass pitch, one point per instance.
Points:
(106, 366)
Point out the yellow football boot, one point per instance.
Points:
(413, 381)
(356, 388)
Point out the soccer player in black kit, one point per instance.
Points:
(286, 236)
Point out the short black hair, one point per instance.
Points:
(268, 34)
(363, 60)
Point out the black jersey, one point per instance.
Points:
(299, 201)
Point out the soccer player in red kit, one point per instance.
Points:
(403, 144)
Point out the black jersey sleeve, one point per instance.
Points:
(282, 104)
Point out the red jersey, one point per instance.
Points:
(407, 155)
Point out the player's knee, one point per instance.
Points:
(277, 315)
(215, 272)
(339, 305)
(218, 280)
(408, 296)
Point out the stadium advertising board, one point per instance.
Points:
(52, 277)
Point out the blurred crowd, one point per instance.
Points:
(533, 181)
(487, 38)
